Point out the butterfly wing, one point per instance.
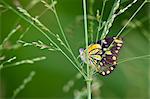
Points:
(109, 54)
(94, 50)
(104, 54)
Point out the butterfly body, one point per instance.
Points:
(103, 54)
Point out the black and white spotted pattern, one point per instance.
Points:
(109, 56)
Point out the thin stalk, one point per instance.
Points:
(10, 34)
(133, 58)
(63, 33)
(131, 18)
(22, 35)
(88, 80)
(148, 1)
(100, 21)
(42, 13)
(108, 21)
(123, 29)
(129, 30)
(91, 24)
(23, 85)
(40, 30)
(127, 23)
(60, 27)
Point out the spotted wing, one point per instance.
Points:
(110, 50)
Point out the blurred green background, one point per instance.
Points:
(128, 81)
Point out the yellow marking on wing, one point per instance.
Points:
(94, 46)
(118, 41)
(97, 57)
(101, 63)
(108, 52)
(94, 51)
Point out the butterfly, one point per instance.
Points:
(103, 54)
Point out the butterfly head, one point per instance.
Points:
(82, 54)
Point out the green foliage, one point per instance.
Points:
(55, 40)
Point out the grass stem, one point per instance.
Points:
(100, 21)
(91, 23)
(60, 26)
(40, 30)
(63, 34)
(88, 80)
(139, 8)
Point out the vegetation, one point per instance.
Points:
(40, 30)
